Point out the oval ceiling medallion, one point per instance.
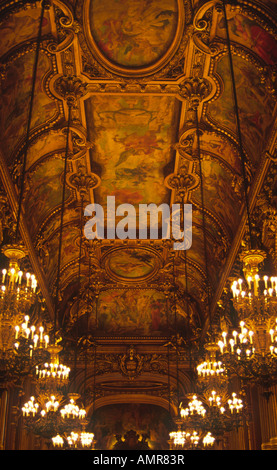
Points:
(134, 35)
(131, 264)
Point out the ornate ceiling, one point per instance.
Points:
(131, 68)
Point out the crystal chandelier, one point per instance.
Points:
(75, 440)
(17, 295)
(20, 343)
(52, 375)
(249, 352)
(32, 336)
(211, 371)
(190, 440)
(47, 415)
(215, 412)
(18, 289)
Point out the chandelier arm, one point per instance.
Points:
(242, 154)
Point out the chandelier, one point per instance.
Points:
(74, 440)
(18, 289)
(250, 351)
(31, 336)
(52, 375)
(211, 372)
(21, 345)
(52, 415)
(215, 412)
(17, 295)
(194, 440)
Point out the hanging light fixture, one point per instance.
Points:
(18, 288)
(212, 371)
(17, 295)
(214, 411)
(52, 375)
(48, 415)
(249, 350)
(194, 440)
(18, 291)
(76, 441)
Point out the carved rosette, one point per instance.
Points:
(195, 90)
(83, 182)
(182, 182)
(70, 88)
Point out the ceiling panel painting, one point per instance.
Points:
(197, 254)
(220, 198)
(133, 33)
(133, 264)
(50, 225)
(133, 139)
(48, 143)
(128, 312)
(44, 191)
(213, 143)
(221, 148)
(69, 251)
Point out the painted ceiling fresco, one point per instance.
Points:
(133, 139)
(133, 34)
(130, 135)
(255, 108)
